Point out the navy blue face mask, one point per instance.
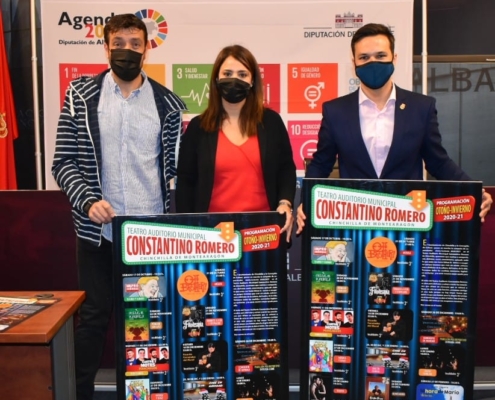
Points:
(375, 74)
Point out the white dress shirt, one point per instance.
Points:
(377, 128)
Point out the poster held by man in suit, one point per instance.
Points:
(414, 244)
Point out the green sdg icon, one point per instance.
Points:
(192, 85)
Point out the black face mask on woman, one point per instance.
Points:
(125, 63)
(233, 90)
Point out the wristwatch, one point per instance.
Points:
(88, 205)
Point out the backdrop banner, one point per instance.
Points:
(303, 48)
(200, 306)
(390, 277)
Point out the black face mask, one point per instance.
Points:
(125, 63)
(233, 90)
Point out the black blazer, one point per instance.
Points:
(196, 167)
(416, 138)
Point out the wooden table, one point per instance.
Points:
(38, 354)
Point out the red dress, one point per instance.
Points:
(238, 183)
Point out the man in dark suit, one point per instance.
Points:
(381, 131)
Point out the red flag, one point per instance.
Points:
(8, 122)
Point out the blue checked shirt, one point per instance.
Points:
(130, 146)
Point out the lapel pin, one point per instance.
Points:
(402, 106)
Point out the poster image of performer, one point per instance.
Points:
(136, 324)
(323, 287)
(193, 321)
(379, 288)
(258, 356)
(131, 357)
(443, 362)
(202, 389)
(349, 319)
(137, 389)
(316, 319)
(257, 386)
(327, 318)
(164, 356)
(320, 356)
(206, 357)
(144, 288)
(377, 388)
(144, 358)
(328, 322)
(332, 252)
(320, 387)
(389, 324)
(388, 357)
(444, 327)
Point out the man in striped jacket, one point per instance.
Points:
(117, 141)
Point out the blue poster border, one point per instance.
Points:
(432, 283)
(251, 356)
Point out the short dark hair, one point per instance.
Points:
(211, 345)
(163, 348)
(124, 21)
(373, 30)
(348, 313)
(326, 312)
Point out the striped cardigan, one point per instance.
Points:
(77, 160)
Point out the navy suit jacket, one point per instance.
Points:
(416, 138)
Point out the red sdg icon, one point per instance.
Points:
(270, 73)
(69, 72)
(303, 139)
